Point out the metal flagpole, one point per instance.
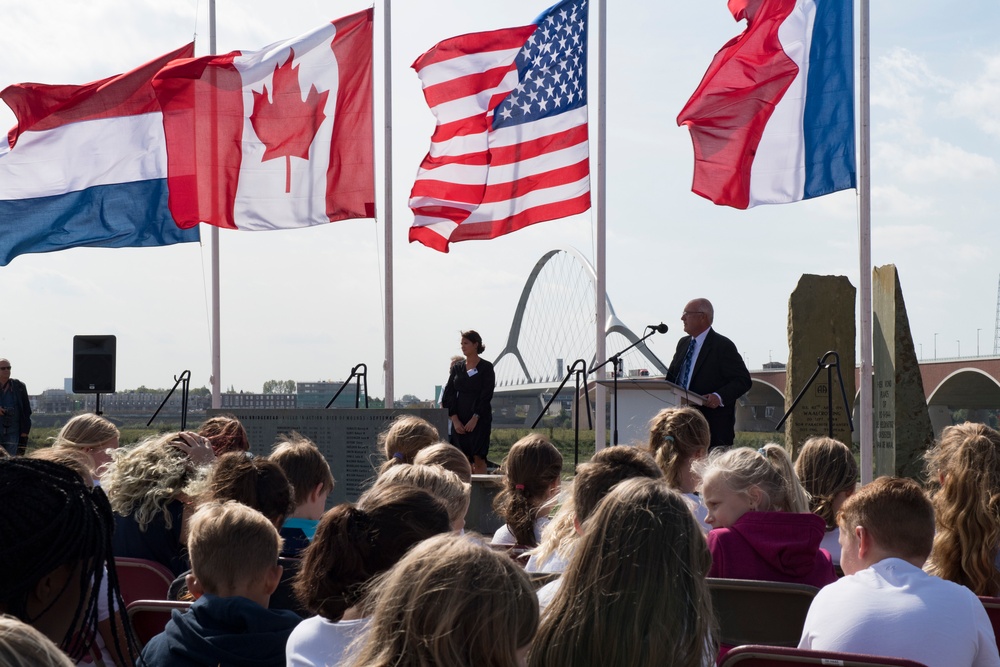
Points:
(387, 199)
(865, 249)
(600, 394)
(216, 298)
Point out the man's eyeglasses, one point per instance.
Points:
(4, 368)
(692, 312)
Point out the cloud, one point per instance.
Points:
(979, 99)
(891, 200)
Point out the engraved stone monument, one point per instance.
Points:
(903, 430)
(820, 319)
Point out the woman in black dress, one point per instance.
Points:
(467, 397)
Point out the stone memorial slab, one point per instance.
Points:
(820, 319)
(348, 438)
(903, 430)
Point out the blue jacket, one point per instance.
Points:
(223, 632)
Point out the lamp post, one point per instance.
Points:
(959, 348)
(935, 346)
(977, 341)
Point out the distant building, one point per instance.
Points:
(316, 395)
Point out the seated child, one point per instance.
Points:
(256, 482)
(531, 477)
(451, 601)
(593, 481)
(887, 605)
(966, 466)
(234, 555)
(353, 545)
(449, 457)
(634, 592)
(150, 486)
(309, 474)
(829, 474)
(762, 526)
(406, 436)
(55, 546)
(440, 483)
(226, 434)
(678, 437)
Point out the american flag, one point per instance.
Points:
(510, 148)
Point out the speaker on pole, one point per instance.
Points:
(94, 364)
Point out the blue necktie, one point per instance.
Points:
(685, 374)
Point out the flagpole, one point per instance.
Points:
(216, 299)
(387, 199)
(600, 394)
(865, 248)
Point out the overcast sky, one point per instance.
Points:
(307, 304)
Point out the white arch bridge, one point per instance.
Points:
(553, 326)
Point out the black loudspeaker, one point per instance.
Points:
(94, 364)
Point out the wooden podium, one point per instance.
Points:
(639, 399)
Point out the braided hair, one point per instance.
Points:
(54, 519)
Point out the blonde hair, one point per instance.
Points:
(21, 645)
(530, 468)
(143, 480)
(826, 468)
(448, 456)
(86, 430)
(303, 464)
(967, 508)
(677, 435)
(450, 601)
(406, 436)
(230, 545)
(442, 484)
(768, 468)
(592, 483)
(76, 459)
(635, 591)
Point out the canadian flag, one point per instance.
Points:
(273, 139)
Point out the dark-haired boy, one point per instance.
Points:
(887, 605)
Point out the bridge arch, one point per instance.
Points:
(555, 321)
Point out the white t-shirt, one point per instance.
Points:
(317, 642)
(504, 536)
(547, 592)
(894, 608)
(554, 564)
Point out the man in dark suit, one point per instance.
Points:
(708, 364)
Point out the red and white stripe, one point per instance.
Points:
(479, 183)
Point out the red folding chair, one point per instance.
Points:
(783, 656)
(142, 579)
(993, 611)
(149, 617)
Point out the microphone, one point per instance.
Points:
(658, 328)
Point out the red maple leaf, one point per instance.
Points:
(286, 124)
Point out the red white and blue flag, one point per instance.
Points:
(510, 148)
(277, 138)
(773, 118)
(86, 165)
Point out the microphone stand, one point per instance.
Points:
(358, 376)
(577, 373)
(184, 380)
(822, 363)
(616, 360)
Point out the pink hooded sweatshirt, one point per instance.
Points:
(772, 546)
